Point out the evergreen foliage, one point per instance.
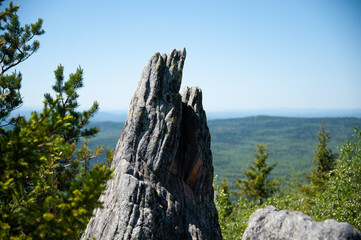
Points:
(256, 187)
(324, 159)
(46, 190)
(233, 216)
(66, 103)
(340, 197)
(16, 45)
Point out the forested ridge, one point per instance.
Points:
(292, 141)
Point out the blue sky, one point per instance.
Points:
(255, 54)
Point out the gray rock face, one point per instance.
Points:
(269, 223)
(162, 185)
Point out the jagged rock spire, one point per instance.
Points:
(163, 172)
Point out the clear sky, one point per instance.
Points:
(254, 54)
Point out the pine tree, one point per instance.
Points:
(66, 102)
(255, 186)
(324, 158)
(16, 45)
(325, 161)
(46, 192)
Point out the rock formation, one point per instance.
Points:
(163, 172)
(269, 223)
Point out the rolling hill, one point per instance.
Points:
(292, 141)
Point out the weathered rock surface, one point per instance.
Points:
(269, 223)
(162, 185)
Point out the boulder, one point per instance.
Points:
(270, 223)
(163, 172)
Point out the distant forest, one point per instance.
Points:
(292, 141)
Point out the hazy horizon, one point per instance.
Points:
(120, 115)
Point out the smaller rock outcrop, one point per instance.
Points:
(270, 223)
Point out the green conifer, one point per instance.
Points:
(324, 158)
(46, 192)
(256, 187)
